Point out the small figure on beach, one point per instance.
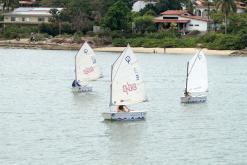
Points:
(122, 108)
(33, 37)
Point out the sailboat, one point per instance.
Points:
(127, 87)
(196, 80)
(86, 69)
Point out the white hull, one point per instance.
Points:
(82, 89)
(193, 99)
(132, 115)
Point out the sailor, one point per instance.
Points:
(122, 108)
(74, 84)
(78, 83)
(187, 93)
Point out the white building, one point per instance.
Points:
(1, 6)
(184, 21)
(28, 15)
(138, 5)
(201, 7)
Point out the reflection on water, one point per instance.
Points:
(125, 141)
(43, 122)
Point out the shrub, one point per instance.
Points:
(224, 42)
(164, 34)
(12, 32)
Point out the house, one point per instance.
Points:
(241, 6)
(28, 15)
(202, 7)
(138, 5)
(28, 3)
(184, 21)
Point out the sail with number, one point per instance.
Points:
(85, 64)
(127, 86)
(197, 76)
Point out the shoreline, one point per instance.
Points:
(175, 51)
(74, 46)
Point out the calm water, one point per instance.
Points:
(42, 122)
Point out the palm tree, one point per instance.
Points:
(9, 4)
(56, 18)
(225, 6)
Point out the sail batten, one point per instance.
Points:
(197, 78)
(127, 86)
(85, 64)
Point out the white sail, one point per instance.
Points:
(197, 74)
(127, 85)
(86, 66)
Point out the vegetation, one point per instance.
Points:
(9, 4)
(13, 32)
(120, 26)
(117, 17)
(225, 6)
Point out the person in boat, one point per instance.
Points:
(76, 84)
(187, 93)
(122, 108)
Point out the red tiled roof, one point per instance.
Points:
(27, 2)
(197, 18)
(202, 4)
(171, 20)
(174, 12)
(240, 5)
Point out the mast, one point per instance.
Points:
(75, 68)
(110, 104)
(186, 92)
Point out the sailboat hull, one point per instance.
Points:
(193, 99)
(82, 89)
(132, 115)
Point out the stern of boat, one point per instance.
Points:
(132, 115)
(193, 99)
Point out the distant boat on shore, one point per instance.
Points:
(86, 69)
(196, 80)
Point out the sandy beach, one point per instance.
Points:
(24, 43)
(166, 50)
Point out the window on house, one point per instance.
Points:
(190, 24)
(23, 19)
(41, 19)
(170, 17)
(12, 19)
(196, 25)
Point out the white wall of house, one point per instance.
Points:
(26, 19)
(138, 5)
(193, 24)
(197, 25)
(240, 10)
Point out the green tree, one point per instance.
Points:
(225, 6)
(54, 3)
(144, 24)
(117, 17)
(108, 3)
(149, 7)
(56, 18)
(237, 22)
(9, 4)
(164, 5)
(79, 14)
